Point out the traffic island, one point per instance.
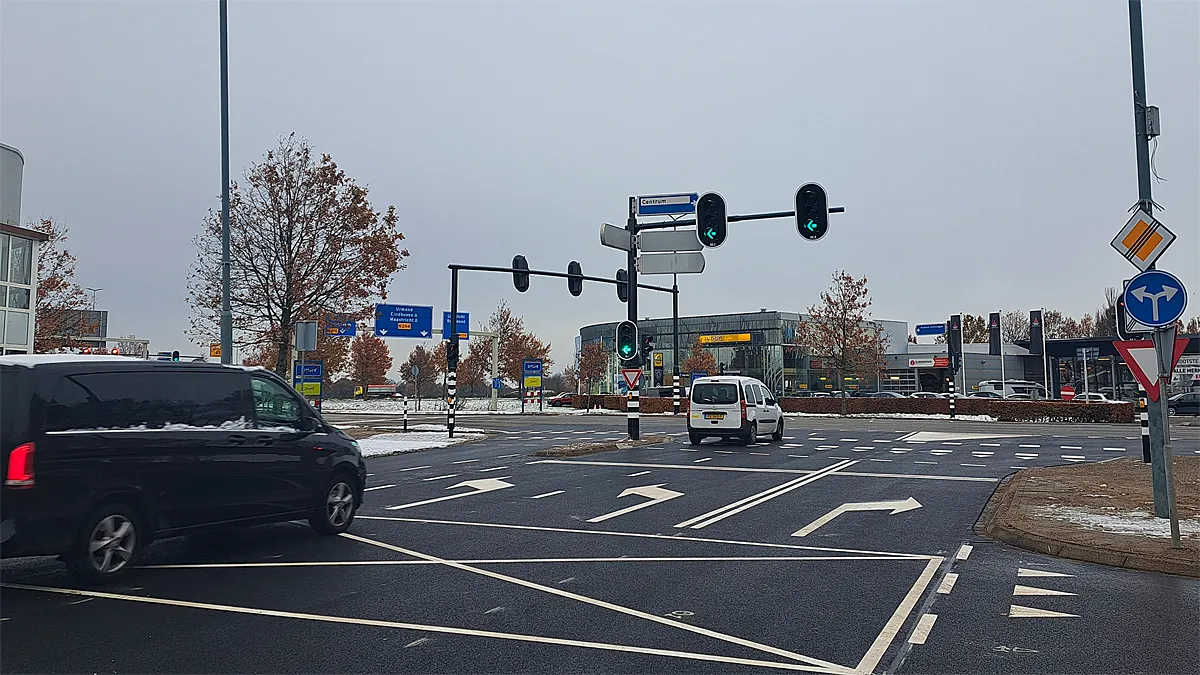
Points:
(580, 449)
(1098, 512)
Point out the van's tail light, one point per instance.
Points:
(743, 410)
(20, 467)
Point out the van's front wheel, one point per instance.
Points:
(337, 512)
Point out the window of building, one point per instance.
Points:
(16, 290)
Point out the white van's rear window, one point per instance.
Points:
(716, 394)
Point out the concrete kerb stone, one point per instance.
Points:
(580, 449)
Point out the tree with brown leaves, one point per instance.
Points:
(333, 352)
(473, 370)
(58, 295)
(839, 329)
(370, 360)
(593, 364)
(698, 359)
(427, 371)
(305, 243)
(516, 344)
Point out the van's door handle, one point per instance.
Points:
(264, 440)
(237, 439)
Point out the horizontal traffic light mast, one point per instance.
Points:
(663, 224)
(560, 275)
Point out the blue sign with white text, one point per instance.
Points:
(697, 374)
(497, 383)
(1155, 298)
(341, 328)
(404, 321)
(931, 329)
(531, 367)
(464, 325)
(667, 205)
(309, 371)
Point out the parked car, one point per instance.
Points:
(565, 399)
(733, 407)
(104, 454)
(1092, 397)
(889, 394)
(1187, 403)
(983, 394)
(924, 394)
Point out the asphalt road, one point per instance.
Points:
(665, 559)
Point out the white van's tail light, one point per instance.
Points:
(20, 467)
(743, 410)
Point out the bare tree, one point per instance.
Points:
(305, 243)
(1014, 325)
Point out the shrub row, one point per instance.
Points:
(1006, 411)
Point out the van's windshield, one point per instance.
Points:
(715, 393)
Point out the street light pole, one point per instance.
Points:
(93, 291)
(226, 307)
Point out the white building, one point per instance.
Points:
(18, 260)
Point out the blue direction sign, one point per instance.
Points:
(497, 383)
(341, 328)
(1155, 298)
(464, 325)
(667, 205)
(404, 321)
(309, 371)
(531, 367)
(931, 329)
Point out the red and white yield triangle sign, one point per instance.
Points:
(632, 376)
(1143, 362)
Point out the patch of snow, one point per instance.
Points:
(394, 444)
(240, 424)
(1133, 522)
(901, 416)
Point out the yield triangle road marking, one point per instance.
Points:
(1032, 590)
(1027, 572)
(1017, 611)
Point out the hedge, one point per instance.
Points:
(1005, 411)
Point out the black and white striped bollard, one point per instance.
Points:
(633, 414)
(451, 395)
(406, 413)
(950, 380)
(1144, 418)
(675, 395)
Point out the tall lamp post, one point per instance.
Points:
(226, 308)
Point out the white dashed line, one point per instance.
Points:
(724, 452)
(900, 451)
(864, 447)
(948, 583)
(465, 461)
(761, 454)
(1030, 446)
(1074, 458)
(1116, 449)
(940, 452)
(921, 633)
(848, 440)
(877, 459)
(951, 443)
(977, 465)
(378, 487)
(982, 453)
(1026, 455)
(639, 473)
(548, 494)
(417, 468)
(990, 445)
(1071, 447)
(805, 456)
(494, 468)
(451, 475)
(918, 461)
(704, 459)
(964, 552)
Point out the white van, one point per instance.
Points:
(1011, 388)
(733, 407)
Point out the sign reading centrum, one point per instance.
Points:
(728, 337)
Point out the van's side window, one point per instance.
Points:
(204, 399)
(274, 405)
(105, 401)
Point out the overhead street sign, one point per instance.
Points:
(667, 205)
(931, 329)
(341, 328)
(1155, 298)
(1142, 360)
(1143, 240)
(666, 241)
(464, 323)
(671, 263)
(615, 237)
(404, 321)
(728, 337)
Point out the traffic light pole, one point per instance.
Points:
(675, 347)
(633, 404)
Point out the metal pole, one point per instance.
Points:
(1164, 346)
(675, 347)
(492, 405)
(226, 306)
(1145, 201)
(962, 351)
(1003, 382)
(631, 404)
(1086, 387)
(452, 348)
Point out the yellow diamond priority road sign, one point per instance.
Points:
(1143, 240)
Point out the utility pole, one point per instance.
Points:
(226, 307)
(1158, 469)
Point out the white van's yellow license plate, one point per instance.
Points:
(714, 416)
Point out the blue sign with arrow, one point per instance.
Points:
(931, 329)
(497, 383)
(341, 328)
(667, 205)
(1155, 298)
(464, 325)
(403, 321)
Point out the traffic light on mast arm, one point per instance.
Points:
(627, 347)
(520, 280)
(647, 345)
(812, 211)
(712, 219)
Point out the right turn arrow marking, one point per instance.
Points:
(656, 493)
(895, 507)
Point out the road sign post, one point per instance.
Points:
(1164, 347)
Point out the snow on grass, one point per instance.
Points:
(393, 406)
(1132, 522)
(901, 416)
(394, 444)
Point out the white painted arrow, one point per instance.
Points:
(479, 487)
(895, 507)
(656, 493)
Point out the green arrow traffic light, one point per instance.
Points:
(625, 349)
(811, 225)
(710, 233)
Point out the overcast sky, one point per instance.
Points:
(984, 151)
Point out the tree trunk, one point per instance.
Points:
(842, 386)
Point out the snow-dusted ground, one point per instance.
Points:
(901, 416)
(470, 406)
(394, 444)
(1130, 522)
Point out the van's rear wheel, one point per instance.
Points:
(751, 434)
(107, 546)
(694, 438)
(777, 435)
(338, 509)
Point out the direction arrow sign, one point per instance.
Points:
(478, 487)
(1142, 360)
(404, 321)
(671, 263)
(656, 493)
(1143, 240)
(631, 376)
(464, 323)
(931, 329)
(667, 205)
(615, 237)
(1155, 298)
(666, 241)
(895, 507)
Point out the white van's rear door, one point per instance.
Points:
(716, 405)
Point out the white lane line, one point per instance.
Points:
(1033, 590)
(417, 468)
(748, 469)
(798, 456)
(1073, 458)
(724, 452)
(370, 474)
(379, 623)
(848, 440)
(1018, 468)
(507, 561)
(940, 452)
(716, 515)
(982, 453)
(892, 628)
(379, 487)
(548, 494)
(900, 451)
(761, 454)
(1026, 455)
(964, 552)
(494, 468)
(879, 459)
(628, 611)
(704, 459)
(919, 461)
(507, 456)
(921, 633)
(827, 447)
(916, 442)
(465, 461)
(817, 438)
(449, 475)
(947, 584)
(882, 440)
(1070, 447)
(864, 447)
(975, 465)
(1030, 572)
(789, 438)
(1029, 445)
(951, 443)
(835, 457)
(639, 473)
(1116, 449)
(689, 450)
(990, 445)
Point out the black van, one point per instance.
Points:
(102, 454)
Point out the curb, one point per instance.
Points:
(593, 448)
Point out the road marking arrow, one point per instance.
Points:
(656, 493)
(895, 507)
(479, 487)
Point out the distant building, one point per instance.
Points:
(18, 260)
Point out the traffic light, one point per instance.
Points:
(574, 278)
(520, 279)
(175, 356)
(451, 354)
(627, 340)
(711, 219)
(647, 345)
(622, 285)
(812, 211)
